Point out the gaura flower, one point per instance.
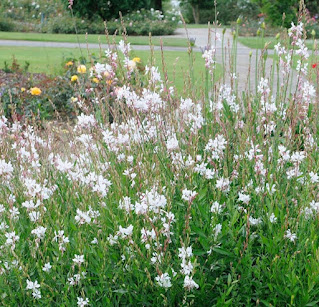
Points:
(137, 60)
(74, 78)
(131, 65)
(96, 80)
(35, 91)
(70, 63)
(22, 89)
(81, 69)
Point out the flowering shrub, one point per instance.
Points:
(136, 23)
(175, 201)
(50, 16)
(25, 95)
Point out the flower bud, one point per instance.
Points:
(238, 21)
(313, 33)
(277, 35)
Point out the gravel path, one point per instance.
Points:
(244, 65)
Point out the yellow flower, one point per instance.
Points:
(109, 82)
(74, 99)
(81, 69)
(137, 60)
(74, 78)
(70, 63)
(22, 89)
(35, 91)
(96, 80)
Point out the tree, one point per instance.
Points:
(203, 11)
(198, 5)
(274, 10)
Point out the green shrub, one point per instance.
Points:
(137, 23)
(66, 24)
(250, 27)
(6, 25)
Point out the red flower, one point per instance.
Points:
(314, 65)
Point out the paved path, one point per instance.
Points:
(201, 35)
(246, 65)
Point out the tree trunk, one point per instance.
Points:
(195, 10)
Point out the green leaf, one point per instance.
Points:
(314, 303)
(221, 251)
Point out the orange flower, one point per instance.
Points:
(35, 91)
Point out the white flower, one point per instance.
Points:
(11, 238)
(126, 204)
(189, 283)
(216, 147)
(94, 241)
(255, 222)
(298, 157)
(82, 302)
(36, 294)
(314, 178)
(244, 198)
(172, 143)
(223, 184)
(39, 232)
(216, 208)
(131, 65)
(185, 252)
(78, 259)
(164, 280)
(112, 239)
(6, 169)
(187, 267)
(32, 285)
(188, 195)
(47, 267)
(272, 218)
(291, 236)
(125, 232)
(34, 216)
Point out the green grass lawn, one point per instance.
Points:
(51, 61)
(259, 43)
(92, 38)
